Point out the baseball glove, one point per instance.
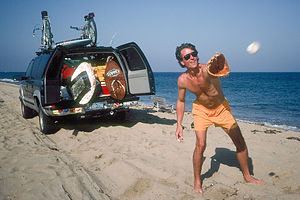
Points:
(217, 66)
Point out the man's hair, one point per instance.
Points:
(183, 46)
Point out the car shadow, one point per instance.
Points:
(133, 117)
(226, 157)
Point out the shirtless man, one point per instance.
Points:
(210, 107)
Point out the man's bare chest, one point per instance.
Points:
(202, 86)
(197, 85)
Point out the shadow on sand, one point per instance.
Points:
(226, 157)
(133, 117)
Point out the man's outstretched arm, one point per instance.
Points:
(180, 107)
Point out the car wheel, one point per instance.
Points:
(47, 124)
(27, 113)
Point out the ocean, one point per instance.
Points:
(271, 99)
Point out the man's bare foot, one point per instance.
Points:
(251, 179)
(199, 191)
(197, 188)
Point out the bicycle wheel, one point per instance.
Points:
(92, 31)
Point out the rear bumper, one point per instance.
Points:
(97, 109)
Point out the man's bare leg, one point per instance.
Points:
(242, 154)
(198, 159)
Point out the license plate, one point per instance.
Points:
(96, 106)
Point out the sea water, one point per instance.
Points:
(272, 99)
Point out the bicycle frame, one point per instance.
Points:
(47, 36)
(88, 34)
(89, 30)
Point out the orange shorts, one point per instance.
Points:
(220, 116)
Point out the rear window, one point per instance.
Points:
(134, 59)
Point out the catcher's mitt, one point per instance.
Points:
(217, 66)
(115, 80)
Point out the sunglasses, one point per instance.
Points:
(188, 56)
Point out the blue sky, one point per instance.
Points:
(159, 26)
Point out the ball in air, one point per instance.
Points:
(253, 48)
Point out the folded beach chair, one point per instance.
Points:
(160, 104)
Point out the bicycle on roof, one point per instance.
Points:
(88, 33)
(47, 36)
(89, 30)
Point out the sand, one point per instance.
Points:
(137, 159)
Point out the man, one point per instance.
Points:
(210, 107)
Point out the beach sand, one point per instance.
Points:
(137, 159)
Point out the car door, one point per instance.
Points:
(36, 81)
(27, 82)
(139, 73)
(52, 77)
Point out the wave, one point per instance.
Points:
(268, 124)
(8, 80)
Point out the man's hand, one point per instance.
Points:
(179, 133)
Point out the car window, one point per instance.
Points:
(133, 59)
(35, 67)
(42, 65)
(29, 68)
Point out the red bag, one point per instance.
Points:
(67, 72)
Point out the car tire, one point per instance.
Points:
(47, 124)
(27, 113)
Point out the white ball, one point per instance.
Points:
(253, 48)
